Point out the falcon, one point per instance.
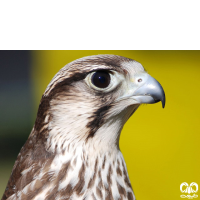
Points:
(73, 149)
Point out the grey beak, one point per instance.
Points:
(150, 92)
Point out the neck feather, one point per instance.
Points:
(102, 177)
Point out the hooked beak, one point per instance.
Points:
(150, 92)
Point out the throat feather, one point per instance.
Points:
(102, 177)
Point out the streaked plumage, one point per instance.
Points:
(73, 149)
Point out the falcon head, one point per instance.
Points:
(73, 149)
(89, 100)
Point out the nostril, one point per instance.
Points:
(139, 80)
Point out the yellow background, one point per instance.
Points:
(160, 146)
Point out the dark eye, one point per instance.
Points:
(101, 79)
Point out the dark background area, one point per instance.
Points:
(15, 106)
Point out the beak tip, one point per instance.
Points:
(163, 103)
(150, 92)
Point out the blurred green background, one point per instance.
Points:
(160, 146)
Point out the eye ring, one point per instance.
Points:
(114, 79)
(101, 79)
